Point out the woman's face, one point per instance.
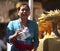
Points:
(24, 12)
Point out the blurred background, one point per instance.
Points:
(9, 9)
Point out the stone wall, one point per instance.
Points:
(5, 6)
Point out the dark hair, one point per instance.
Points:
(25, 5)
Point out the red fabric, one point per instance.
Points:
(23, 46)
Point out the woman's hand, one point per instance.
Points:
(34, 49)
(14, 36)
(31, 50)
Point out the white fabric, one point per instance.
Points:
(9, 47)
(24, 34)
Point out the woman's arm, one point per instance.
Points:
(36, 40)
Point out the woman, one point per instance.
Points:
(23, 33)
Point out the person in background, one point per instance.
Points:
(3, 46)
(23, 33)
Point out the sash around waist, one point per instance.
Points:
(23, 46)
